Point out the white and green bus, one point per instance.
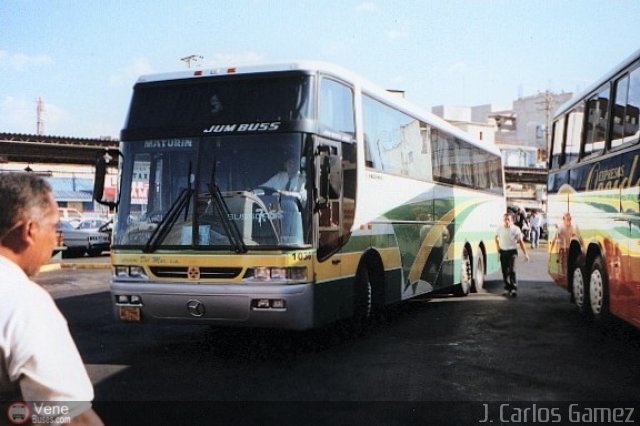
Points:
(390, 202)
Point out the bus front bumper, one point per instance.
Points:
(273, 306)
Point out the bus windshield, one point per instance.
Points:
(186, 107)
(223, 192)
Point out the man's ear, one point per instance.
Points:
(29, 230)
(18, 239)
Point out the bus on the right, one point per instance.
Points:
(594, 196)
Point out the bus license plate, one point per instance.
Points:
(129, 313)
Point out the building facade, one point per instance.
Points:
(522, 134)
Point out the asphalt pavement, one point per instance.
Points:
(444, 355)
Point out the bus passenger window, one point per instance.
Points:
(574, 133)
(336, 106)
(632, 114)
(558, 137)
(626, 109)
(596, 126)
(619, 107)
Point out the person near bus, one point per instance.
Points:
(521, 222)
(564, 233)
(39, 361)
(535, 223)
(289, 181)
(508, 238)
(290, 184)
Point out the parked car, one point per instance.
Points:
(97, 225)
(70, 215)
(81, 241)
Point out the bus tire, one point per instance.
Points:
(363, 297)
(465, 274)
(599, 290)
(479, 272)
(579, 288)
(94, 252)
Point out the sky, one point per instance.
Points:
(82, 57)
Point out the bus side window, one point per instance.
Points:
(626, 109)
(596, 123)
(336, 106)
(558, 138)
(575, 121)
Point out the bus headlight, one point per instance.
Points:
(130, 272)
(279, 274)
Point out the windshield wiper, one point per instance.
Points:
(160, 233)
(165, 225)
(230, 228)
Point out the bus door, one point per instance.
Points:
(328, 201)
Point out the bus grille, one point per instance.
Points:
(205, 273)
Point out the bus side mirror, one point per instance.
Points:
(101, 193)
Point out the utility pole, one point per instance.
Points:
(40, 116)
(191, 58)
(548, 105)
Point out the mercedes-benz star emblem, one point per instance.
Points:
(196, 308)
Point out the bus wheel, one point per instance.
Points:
(599, 290)
(478, 281)
(465, 274)
(363, 295)
(579, 289)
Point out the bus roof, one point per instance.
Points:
(360, 82)
(599, 82)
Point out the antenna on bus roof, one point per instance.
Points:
(191, 58)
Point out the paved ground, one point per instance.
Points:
(430, 361)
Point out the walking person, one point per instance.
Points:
(39, 361)
(535, 222)
(508, 238)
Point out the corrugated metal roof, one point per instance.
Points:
(71, 188)
(80, 196)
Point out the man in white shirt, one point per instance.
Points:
(508, 238)
(39, 361)
(536, 223)
(289, 181)
(290, 184)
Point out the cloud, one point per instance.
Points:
(22, 61)
(396, 34)
(458, 67)
(367, 6)
(56, 120)
(128, 75)
(18, 115)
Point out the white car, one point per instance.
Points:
(80, 241)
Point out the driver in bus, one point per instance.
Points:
(290, 181)
(290, 184)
